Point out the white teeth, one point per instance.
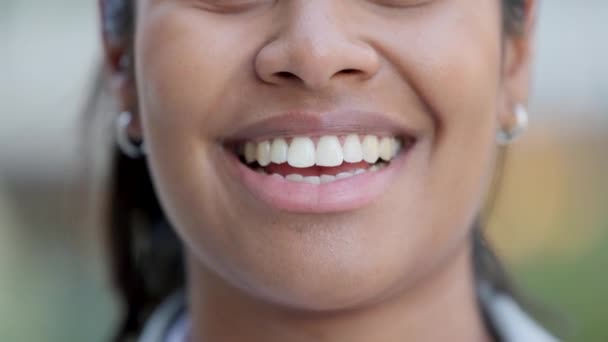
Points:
(250, 152)
(278, 151)
(396, 146)
(343, 175)
(294, 177)
(327, 179)
(324, 179)
(329, 152)
(301, 152)
(370, 149)
(316, 180)
(386, 148)
(352, 149)
(263, 153)
(312, 180)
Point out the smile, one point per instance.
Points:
(320, 160)
(319, 172)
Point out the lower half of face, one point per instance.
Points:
(317, 154)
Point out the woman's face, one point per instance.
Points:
(217, 79)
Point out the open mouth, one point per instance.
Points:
(318, 163)
(321, 159)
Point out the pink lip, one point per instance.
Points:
(316, 124)
(338, 196)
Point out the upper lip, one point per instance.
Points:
(306, 123)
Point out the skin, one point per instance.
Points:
(398, 269)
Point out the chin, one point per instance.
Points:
(333, 264)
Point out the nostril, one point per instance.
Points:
(350, 71)
(285, 75)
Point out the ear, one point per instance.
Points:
(116, 28)
(518, 53)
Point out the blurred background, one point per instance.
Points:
(550, 222)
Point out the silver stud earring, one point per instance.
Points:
(509, 133)
(127, 146)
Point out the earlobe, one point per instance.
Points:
(123, 88)
(516, 70)
(118, 59)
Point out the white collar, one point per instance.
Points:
(170, 321)
(509, 320)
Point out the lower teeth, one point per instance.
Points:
(323, 179)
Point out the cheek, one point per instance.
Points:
(185, 77)
(186, 71)
(464, 102)
(452, 62)
(181, 90)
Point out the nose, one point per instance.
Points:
(314, 50)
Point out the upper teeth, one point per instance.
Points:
(329, 150)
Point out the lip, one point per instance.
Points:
(339, 196)
(316, 124)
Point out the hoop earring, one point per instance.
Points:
(126, 145)
(507, 134)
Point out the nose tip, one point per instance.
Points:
(315, 59)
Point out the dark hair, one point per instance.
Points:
(145, 256)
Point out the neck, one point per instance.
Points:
(440, 307)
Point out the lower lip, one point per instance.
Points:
(338, 196)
